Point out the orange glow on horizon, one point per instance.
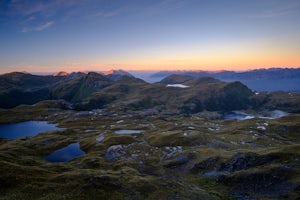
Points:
(206, 62)
(150, 68)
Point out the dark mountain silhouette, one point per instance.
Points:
(94, 90)
(285, 79)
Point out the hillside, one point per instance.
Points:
(203, 94)
(79, 88)
(167, 140)
(175, 78)
(22, 88)
(273, 79)
(94, 90)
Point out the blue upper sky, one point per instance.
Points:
(72, 35)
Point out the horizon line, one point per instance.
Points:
(142, 70)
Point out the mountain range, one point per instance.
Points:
(272, 73)
(183, 137)
(273, 79)
(122, 91)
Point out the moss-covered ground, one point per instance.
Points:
(175, 157)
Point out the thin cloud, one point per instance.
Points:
(164, 5)
(38, 28)
(271, 14)
(114, 12)
(36, 15)
(31, 7)
(26, 7)
(279, 10)
(29, 19)
(107, 14)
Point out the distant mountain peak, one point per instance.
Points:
(115, 72)
(198, 71)
(216, 71)
(176, 79)
(24, 72)
(84, 71)
(16, 73)
(61, 73)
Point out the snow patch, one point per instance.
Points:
(178, 85)
(128, 131)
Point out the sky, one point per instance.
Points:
(76, 35)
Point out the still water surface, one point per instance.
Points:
(65, 154)
(25, 129)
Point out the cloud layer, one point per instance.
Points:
(40, 27)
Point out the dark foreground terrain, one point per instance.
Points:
(179, 145)
(195, 156)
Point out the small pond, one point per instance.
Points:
(65, 154)
(25, 129)
(128, 131)
(100, 138)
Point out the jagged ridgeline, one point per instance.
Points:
(94, 90)
(122, 91)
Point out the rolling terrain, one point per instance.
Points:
(274, 79)
(140, 140)
(167, 157)
(121, 91)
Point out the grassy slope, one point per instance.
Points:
(176, 157)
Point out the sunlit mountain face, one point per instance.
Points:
(160, 99)
(61, 73)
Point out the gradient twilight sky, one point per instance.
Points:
(73, 35)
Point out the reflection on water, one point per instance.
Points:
(24, 129)
(100, 138)
(65, 154)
